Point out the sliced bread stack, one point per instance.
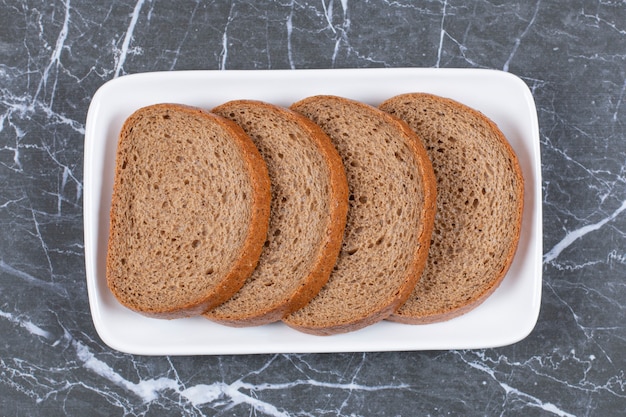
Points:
(479, 206)
(330, 216)
(189, 211)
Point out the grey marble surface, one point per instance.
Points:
(53, 57)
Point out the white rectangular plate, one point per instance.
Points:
(506, 317)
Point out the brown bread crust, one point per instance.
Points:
(297, 151)
(142, 262)
(363, 291)
(479, 212)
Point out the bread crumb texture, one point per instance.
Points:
(479, 206)
(386, 222)
(308, 209)
(181, 210)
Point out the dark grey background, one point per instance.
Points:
(53, 57)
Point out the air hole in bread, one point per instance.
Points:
(489, 168)
(195, 243)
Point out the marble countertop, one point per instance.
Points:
(55, 55)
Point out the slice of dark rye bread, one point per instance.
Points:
(390, 218)
(308, 214)
(480, 195)
(189, 211)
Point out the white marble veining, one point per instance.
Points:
(55, 55)
(128, 36)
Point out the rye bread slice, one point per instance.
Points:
(189, 211)
(479, 206)
(308, 214)
(390, 217)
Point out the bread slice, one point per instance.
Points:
(189, 211)
(390, 218)
(479, 206)
(308, 214)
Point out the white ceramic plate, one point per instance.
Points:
(506, 317)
